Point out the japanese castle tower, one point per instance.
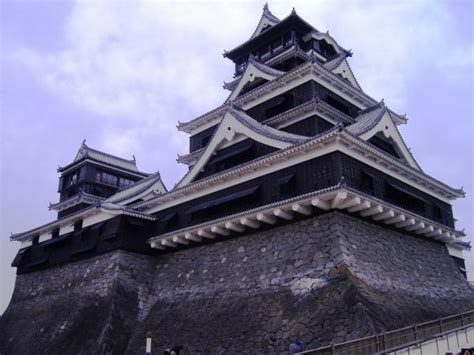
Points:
(303, 215)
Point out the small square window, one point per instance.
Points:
(287, 184)
(55, 233)
(77, 225)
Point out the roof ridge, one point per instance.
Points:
(336, 61)
(147, 181)
(251, 123)
(381, 103)
(264, 67)
(133, 161)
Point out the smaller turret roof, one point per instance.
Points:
(368, 118)
(85, 152)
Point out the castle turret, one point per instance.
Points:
(92, 177)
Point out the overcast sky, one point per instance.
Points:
(123, 73)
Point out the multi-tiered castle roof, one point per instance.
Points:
(296, 136)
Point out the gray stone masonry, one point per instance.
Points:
(325, 279)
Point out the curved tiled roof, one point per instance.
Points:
(367, 119)
(85, 152)
(137, 188)
(265, 130)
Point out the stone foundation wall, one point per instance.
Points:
(325, 279)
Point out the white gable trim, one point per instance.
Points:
(267, 19)
(344, 70)
(389, 130)
(251, 73)
(156, 189)
(328, 143)
(264, 23)
(229, 130)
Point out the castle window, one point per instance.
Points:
(404, 198)
(437, 214)
(77, 225)
(386, 146)
(124, 182)
(287, 184)
(337, 104)
(367, 183)
(170, 220)
(102, 228)
(74, 178)
(106, 178)
(284, 103)
(287, 40)
(35, 240)
(96, 191)
(205, 140)
(224, 203)
(277, 45)
(55, 233)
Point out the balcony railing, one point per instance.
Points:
(398, 339)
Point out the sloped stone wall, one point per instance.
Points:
(324, 279)
(86, 307)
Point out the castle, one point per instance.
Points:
(303, 215)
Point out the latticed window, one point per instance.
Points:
(106, 178)
(124, 182)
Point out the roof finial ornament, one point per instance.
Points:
(133, 158)
(83, 144)
(265, 7)
(293, 11)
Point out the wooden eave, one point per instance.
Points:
(239, 123)
(64, 221)
(82, 197)
(253, 71)
(333, 140)
(83, 161)
(338, 197)
(291, 21)
(152, 183)
(309, 68)
(313, 106)
(108, 208)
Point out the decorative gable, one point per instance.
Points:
(253, 72)
(377, 126)
(142, 190)
(235, 127)
(344, 70)
(267, 20)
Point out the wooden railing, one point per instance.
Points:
(395, 339)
